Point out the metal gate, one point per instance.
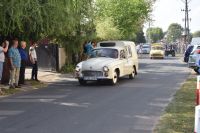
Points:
(48, 57)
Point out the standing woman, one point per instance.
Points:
(24, 60)
(3, 50)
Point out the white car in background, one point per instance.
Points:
(109, 61)
(146, 48)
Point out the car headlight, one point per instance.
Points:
(105, 69)
(78, 69)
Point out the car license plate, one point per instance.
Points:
(90, 78)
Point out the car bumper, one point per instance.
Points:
(105, 76)
(157, 56)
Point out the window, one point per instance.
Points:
(122, 54)
(129, 51)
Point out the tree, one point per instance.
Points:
(140, 38)
(128, 15)
(174, 32)
(155, 34)
(107, 31)
(35, 19)
(196, 34)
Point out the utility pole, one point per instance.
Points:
(150, 23)
(187, 22)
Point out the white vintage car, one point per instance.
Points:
(109, 61)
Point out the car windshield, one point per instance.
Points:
(146, 47)
(105, 52)
(157, 48)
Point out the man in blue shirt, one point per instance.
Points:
(24, 60)
(89, 49)
(15, 62)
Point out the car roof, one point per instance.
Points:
(116, 43)
(116, 47)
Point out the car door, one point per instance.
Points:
(123, 66)
(130, 62)
(126, 62)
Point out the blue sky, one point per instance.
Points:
(169, 11)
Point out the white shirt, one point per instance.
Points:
(32, 53)
(2, 55)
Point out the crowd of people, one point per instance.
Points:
(18, 58)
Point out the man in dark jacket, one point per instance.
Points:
(24, 59)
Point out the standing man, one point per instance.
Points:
(33, 59)
(3, 50)
(24, 60)
(15, 62)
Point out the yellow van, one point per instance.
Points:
(157, 51)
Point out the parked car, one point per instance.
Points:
(109, 61)
(146, 48)
(157, 51)
(194, 60)
(195, 43)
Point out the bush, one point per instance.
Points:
(68, 68)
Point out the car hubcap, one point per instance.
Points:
(133, 74)
(115, 78)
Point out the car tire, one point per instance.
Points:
(132, 75)
(115, 79)
(82, 82)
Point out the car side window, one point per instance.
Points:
(122, 54)
(129, 51)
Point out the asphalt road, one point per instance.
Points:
(132, 106)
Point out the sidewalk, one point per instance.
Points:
(51, 77)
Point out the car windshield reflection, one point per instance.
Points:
(157, 48)
(105, 52)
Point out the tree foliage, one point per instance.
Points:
(34, 19)
(70, 22)
(106, 30)
(174, 32)
(196, 34)
(155, 34)
(140, 38)
(128, 15)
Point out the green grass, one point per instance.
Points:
(35, 84)
(8, 91)
(30, 85)
(179, 115)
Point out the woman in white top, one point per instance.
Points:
(3, 50)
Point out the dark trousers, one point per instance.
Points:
(34, 71)
(22, 72)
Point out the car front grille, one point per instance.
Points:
(92, 73)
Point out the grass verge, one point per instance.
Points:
(30, 85)
(179, 115)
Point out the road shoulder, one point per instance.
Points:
(179, 114)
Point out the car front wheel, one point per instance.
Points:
(115, 78)
(132, 75)
(82, 82)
